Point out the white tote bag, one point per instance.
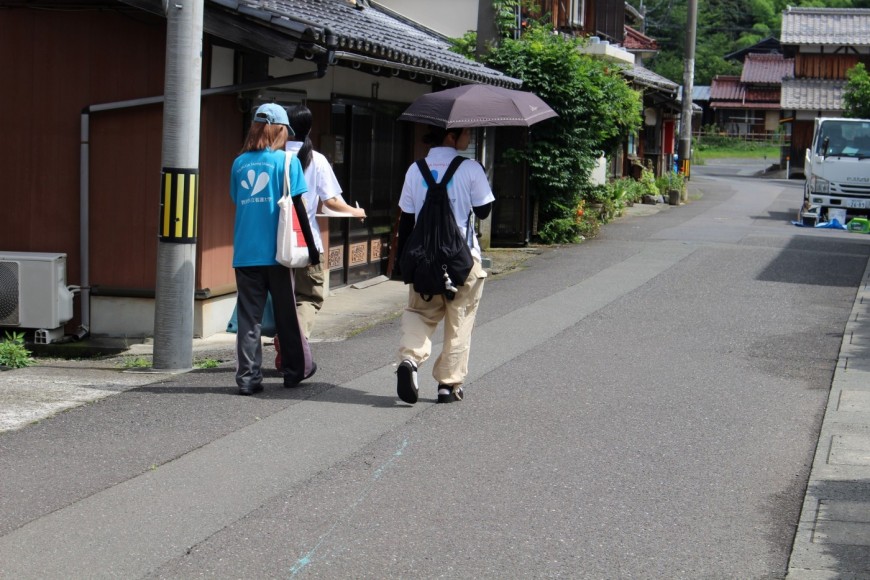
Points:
(292, 249)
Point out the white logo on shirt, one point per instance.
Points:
(258, 185)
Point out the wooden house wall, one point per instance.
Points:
(609, 20)
(825, 66)
(220, 139)
(605, 18)
(57, 63)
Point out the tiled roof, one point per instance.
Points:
(766, 69)
(726, 88)
(728, 92)
(645, 77)
(634, 40)
(812, 94)
(769, 44)
(740, 105)
(369, 36)
(826, 26)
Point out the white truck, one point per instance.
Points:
(837, 167)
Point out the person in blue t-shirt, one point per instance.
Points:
(256, 184)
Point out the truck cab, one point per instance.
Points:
(837, 166)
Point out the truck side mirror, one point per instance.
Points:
(826, 142)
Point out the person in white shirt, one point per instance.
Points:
(469, 191)
(312, 283)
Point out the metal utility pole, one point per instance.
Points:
(685, 148)
(179, 183)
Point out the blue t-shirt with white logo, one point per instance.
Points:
(256, 185)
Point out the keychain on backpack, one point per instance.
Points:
(449, 289)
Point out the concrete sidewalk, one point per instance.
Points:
(833, 535)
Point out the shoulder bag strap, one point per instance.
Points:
(286, 173)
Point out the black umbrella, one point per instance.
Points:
(478, 106)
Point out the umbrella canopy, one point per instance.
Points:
(478, 106)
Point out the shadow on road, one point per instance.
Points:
(819, 261)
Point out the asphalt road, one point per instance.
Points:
(643, 405)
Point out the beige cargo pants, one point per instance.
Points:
(421, 318)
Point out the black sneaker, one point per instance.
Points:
(406, 382)
(249, 390)
(449, 394)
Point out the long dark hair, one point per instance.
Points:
(300, 122)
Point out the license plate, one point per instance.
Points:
(856, 203)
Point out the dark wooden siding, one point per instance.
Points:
(220, 140)
(610, 20)
(825, 66)
(57, 63)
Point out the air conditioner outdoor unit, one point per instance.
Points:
(34, 294)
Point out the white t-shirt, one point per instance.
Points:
(322, 185)
(468, 188)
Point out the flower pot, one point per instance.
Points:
(674, 197)
(684, 195)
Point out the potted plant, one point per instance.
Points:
(676, 185)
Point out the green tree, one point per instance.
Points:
(724, 26)
(856, 96)
(596, 108)
(465, 45)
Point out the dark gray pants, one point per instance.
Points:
(253, 283)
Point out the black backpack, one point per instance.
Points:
(436, 258)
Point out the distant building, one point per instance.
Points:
(824, 43)
(750, 104)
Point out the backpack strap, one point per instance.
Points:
(448, 175)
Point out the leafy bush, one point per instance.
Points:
(594, 193)
(648, 182)
(628, 190)
(597, 108)
(560, 231)
(13, 354)
(588, 226)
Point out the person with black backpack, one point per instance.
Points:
(444, 283)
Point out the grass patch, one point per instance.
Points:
(769, 152)
(715, 146)
(206, 363)
(135, 362)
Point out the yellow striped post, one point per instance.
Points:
(179, 201)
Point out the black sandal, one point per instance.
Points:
(449, 394)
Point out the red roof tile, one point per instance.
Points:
(767, 69)
(634, 40)
(726, 88)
